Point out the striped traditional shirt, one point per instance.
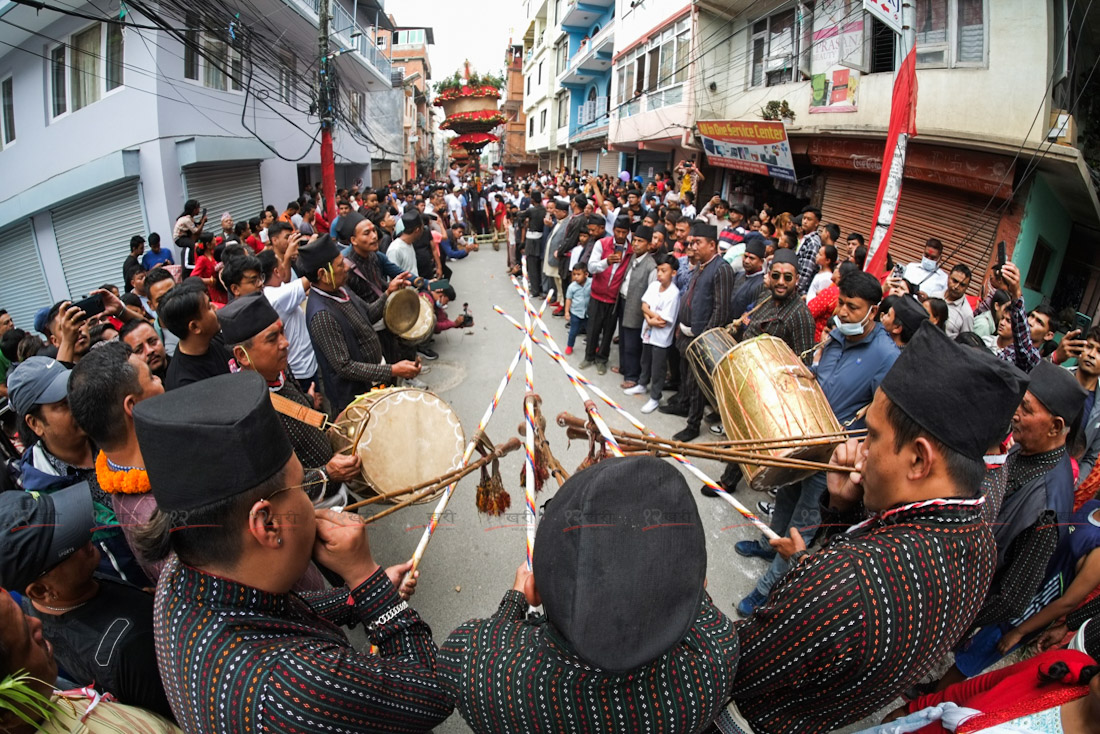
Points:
(508, 674)
(858, 622)
(237, 660)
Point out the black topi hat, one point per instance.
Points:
(316, 255)
(246, 317)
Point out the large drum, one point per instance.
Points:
(403, 436)
(764, 391)
(703, 355)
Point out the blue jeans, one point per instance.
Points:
(796, 506)
(576, 325)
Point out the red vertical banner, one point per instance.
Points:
(903, 125)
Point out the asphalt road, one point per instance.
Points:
(472, 558)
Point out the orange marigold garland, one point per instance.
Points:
(128, 481)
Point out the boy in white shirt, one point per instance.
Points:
(660, 307)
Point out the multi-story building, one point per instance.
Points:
(409, 56)
(998, 155)
(652, 107)
(584, 79)
(109, 127)
(541, 98)
(512, 151)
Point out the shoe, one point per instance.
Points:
(753, 549)
(636, 390)
(773, 492)
(749, 604)
(650, 406)
(585, 364)
(712, 417)
(568, 351)
(765, 508)
(616, 339)
(673, 409)
(671, 387)
(601, 368)
(427, 353)
(688, 434)
(708, 491)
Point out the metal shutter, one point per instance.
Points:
(589, 160)
(926, 211)
(607, 163)
(23, 286)
(93, 235)
(227, 187)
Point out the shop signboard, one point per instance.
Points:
(755, 146)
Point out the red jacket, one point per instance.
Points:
(605, 286)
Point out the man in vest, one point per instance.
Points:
(608, 266)
(339, 322)
(641, 272)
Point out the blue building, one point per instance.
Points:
(584, 78)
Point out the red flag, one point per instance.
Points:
(903, 125)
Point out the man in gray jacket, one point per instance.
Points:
(1087, 373)
(640, 273)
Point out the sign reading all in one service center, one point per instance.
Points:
(756, 146)
(888, 11)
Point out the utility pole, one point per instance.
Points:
(324, 105)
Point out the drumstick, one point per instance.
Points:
(529, 417)
(550, 347)
(441, 506)
(452, 476)
(575, 378)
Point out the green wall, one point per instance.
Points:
(1043, 217)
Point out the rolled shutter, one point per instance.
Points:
(93, 235)
(926, 210)
(590, 160)
(226, 187)
(607, 163)
(23, 287)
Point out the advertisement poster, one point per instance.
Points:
(756, 146)
(837, 47)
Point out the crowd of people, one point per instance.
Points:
(174, 554)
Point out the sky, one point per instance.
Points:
(464, 29)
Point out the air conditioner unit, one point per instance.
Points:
(397, 78)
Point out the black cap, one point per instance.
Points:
(348, 224)
(622, 223)
(38, 531)
(316, 255)
(700, 228)
(246, 317)
(597, 219)
(960, 396)
(757, 246)
(909, 312)
(1058, 390)
(643, 232)
(620, 561)
(252, 444)
(411, 220)
(783, 255)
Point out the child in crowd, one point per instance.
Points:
(576, 303)
(660, 307)
(578, 250)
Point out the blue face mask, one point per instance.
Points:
(927, 264)
(850, 329)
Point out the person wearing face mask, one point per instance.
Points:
(927, 275)
(856, 357)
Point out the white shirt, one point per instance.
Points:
(454, 207)
(821, 281)
(287, 301)
(934, 283)
(498, 177)
(688, 211)
(453, 173)
(960, 317)
(666, 304)
(403, 255)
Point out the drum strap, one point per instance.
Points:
(299, 412)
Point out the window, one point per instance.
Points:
(409, 38)
(951, 33)
(528, 86)
(355, 105)
(531, 127)
(562, 51)
(210, 60)
(85, 67)
(191, 42)
(656, 66)
(381, 42)
(1040, 262)
(7, 111)
(540, 72)
(773, 49)
(59, 90)
(563, 110)
(542, 120)
(286, 80)
(215, 61)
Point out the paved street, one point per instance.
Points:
(470, 564)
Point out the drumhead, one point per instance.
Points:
(406, 437)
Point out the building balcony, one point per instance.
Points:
(371, 68)
(650, 101)
(591, 60)
(584, 14)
